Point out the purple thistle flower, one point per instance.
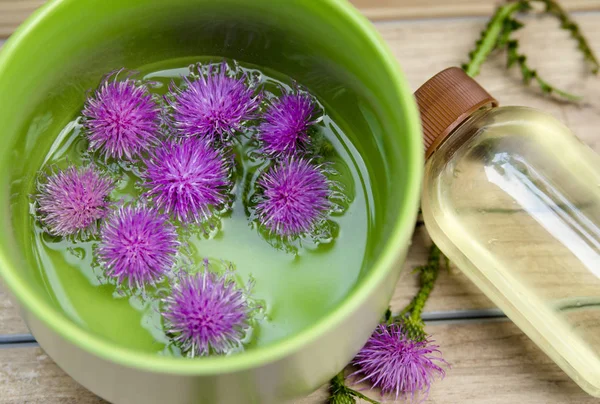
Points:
(137, 244)
(72, 201)
(284, 130)
(187, 179)
(214, 106)
(295, 198)
(121, 118)
(207, 313)
(397, 364)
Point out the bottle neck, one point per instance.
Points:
(463, 131)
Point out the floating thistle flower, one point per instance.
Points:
(121, 118)
(284, 130)
(137, 244)
(398, 364)
(187, 179)
(215, 105)
(207, 313)
(295, 198)
(71, 201)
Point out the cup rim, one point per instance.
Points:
(256, 357)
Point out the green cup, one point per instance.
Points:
(326, 45)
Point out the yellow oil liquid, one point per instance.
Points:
(513, 198)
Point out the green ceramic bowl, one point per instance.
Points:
(67, 45)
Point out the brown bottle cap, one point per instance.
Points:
(445, 101)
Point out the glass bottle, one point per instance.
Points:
(512, 197)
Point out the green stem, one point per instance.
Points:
(490, 36)
(404, 311)
(552, 7)
(514, 57)
(497, 35)
(428, 276)
(340, 393)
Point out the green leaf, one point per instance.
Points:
(553, 7)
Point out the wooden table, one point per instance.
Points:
(492, 360)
